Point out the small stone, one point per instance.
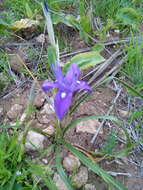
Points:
(43, 119)
(71, 163)
(89, 187)
(15, 111)
(80, 178)
(40, 38)
(39, 99)
(47, 109)
(34, 141)
(59, 182)
(50, 130)
(123, 113)
(117, 31)
(89, 126)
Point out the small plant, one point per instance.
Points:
(134, 63)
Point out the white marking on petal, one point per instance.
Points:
(78, 82)
(63, 95)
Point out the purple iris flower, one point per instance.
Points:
(67, 85)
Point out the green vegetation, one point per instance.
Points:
(92, 22)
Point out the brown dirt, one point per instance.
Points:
(97, 104)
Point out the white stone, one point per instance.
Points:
(80, 178)
(59, 182)
(89, 187)
(50, 130)
(34, 141)
(40, 38)
(71, 163)
(15, 111)
(123, 113)
(89, 126)
(47, 109)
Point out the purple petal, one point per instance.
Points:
(58, 73)
(62, 103)
(48, 85)
(72, 74)
(82, 85)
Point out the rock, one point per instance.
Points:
(34, 141)
(50, 130)
(59, 182)
(40, 38)
(89, 187)
(123, 113)
(16, 59)
(47, 109)
(89, 126)
(80, 178)
(71, 163)
(15, 111)
(39, 99)
(43, 119)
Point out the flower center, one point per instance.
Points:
(63, 95)
(78, 82)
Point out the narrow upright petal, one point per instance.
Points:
(72, 74)
(46, 86)
(62, 103)
(58, 73)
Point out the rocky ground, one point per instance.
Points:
(124, 168)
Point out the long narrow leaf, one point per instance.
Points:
(130, 88)
(93, 166)
(60, 169)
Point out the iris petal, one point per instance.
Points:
(72, 74)
(58, 73)
(62, 103)
(82, 85)
(46, 86)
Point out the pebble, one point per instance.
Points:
(39, 99)
(123, 113)
(59, 182)
(47, 109)
(50, 130)
(89, 187)
(80, 178)
(15, 111)
(89, 126)
(34, 141)
(71, 163)
(40, 38)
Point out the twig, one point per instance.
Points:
(108, 113)
(119, 173)
(104, 65)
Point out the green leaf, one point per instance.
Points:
(29, 12)
(60, 169)
(74, 122)
(128, 16)
(93, 166)
(3, 24)
(86, 60)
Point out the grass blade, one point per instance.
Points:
(60, 169)
(130, 88)
(93, 166)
